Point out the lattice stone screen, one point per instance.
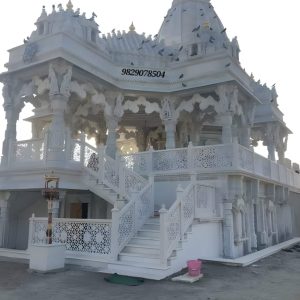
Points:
(79, 236)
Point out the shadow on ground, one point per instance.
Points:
(274, 278)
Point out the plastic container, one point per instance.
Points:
(194, 267)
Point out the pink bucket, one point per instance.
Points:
(194, 267)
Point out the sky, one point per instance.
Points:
(267, 31)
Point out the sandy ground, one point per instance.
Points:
(274, 278)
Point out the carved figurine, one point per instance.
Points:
(235, 48)
(54, 89)
(274, 96)
(66, 82)
(166, 112)
(119, 111)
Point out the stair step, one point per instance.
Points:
(141, 249)
(153, 220)
(139, 258)
(140, 240)
(151, 226)
(148, 233)
(108, 190)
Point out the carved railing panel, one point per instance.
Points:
(212, 157)
(170, 160)
(139, 162)
(76, 151)
(134, 183)
(111, 173)
(173, 230)
(175, 222)
(201, 159)
(31, 150)
(133, 215)
(79, 236)
(246, 159)
(90, 155)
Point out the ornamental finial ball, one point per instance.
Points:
(70, 6)
(132, 27)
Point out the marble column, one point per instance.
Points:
(112, 124)
(4, 196)
(57, 130)
(271, 151)
(12, 116)
(226, 121)
(170, 128)
(245, 136)
(252, 227)
(262, 215)
(228, 231)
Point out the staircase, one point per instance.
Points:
(144, 247)
(141, 256)
(100, 189)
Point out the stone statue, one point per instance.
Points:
(235, 48)
(274, 96)
(53, 83)
(224, 101)
(234, 100)
(119, 111)
(166, 111)
(66, 82)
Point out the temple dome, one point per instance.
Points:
(191, 21)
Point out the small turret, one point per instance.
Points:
(69, 21)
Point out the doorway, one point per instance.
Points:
(79, 210)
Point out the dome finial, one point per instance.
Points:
(43, 14)
(132, 27)
(69, 6)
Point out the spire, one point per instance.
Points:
(132, 27)
(192, 22)
(70, 6)
(43, 14)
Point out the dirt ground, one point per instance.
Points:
(274, 278)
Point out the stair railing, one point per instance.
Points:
(135, 193)
(175, 222)
(126, 221)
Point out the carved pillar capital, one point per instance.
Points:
(60, 76)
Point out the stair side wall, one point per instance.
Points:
(204, 242)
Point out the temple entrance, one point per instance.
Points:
(79, 210)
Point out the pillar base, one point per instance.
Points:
(47, 258)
